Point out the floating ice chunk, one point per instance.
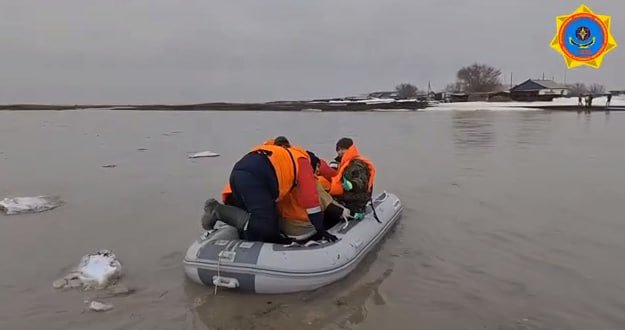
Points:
(18, 205)
(97, 306)
(204, 154)
(94, 271)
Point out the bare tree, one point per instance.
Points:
(596, 89)
(479, 78)
(406, 91)
(578, 89)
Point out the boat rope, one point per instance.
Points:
(375, 214)
(218, 270)
(346, 223)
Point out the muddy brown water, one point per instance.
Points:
(514, 220)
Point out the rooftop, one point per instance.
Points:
(537, 84)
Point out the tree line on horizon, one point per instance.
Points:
(482, 78)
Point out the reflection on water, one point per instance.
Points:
(473, 129)
(534, 128)
(342, 302)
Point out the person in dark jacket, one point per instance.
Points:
(267, 174)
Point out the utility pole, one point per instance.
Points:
(510, 79)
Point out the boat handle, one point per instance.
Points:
(225, 282)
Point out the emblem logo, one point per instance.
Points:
(583, 38)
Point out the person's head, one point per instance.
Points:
(314, 160)
(282, 141)
(342, 145)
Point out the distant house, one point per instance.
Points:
(384, 95)
(501, 96)
(357, 98)
(439, 96)
(537, 90)
(456, 97)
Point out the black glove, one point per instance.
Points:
(284, 239)
(317, 220)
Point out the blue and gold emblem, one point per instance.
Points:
(583, 38)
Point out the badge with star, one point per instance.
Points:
(583, 38)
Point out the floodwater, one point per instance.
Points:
(514, 219)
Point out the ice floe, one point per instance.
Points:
(94, 271)
(204, 154)
(19, 205)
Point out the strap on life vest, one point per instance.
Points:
(268, 153)
(294, 169)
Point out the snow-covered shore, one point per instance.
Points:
(523, 106)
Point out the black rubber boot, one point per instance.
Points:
(234, 216)
(333, 212)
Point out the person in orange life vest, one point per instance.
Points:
(261, 178)
(293, 217)
(320, 167)
(294, 220)
(352, 183)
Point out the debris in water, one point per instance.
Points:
(94, 271)
(99, 307)
(172, 133)
(121, 290)
(109, 166)
(204, 154)
(18, 205)
(142, 149)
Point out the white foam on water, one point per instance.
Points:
(19, 205)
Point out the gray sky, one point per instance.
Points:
(167, 51)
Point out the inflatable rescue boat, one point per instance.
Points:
(220, 258)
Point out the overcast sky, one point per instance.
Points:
(167, 51)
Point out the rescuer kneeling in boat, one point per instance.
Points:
(294, 221)
(263, 177)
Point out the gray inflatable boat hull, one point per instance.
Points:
(220, 258)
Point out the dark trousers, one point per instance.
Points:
(255, 188)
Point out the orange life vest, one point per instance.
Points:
(284, 162)
(288, 206)
(227, 191)
(324, 182)
(336, 186)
